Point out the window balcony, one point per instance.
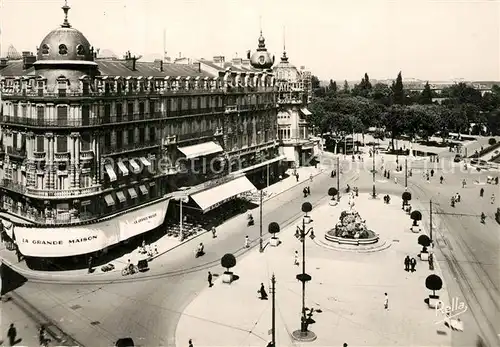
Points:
(62, 156)
(195, 135)
(15, 152)
(61, 193)
(130, 147)
(39, 156)
(86, 155)
(231, 109)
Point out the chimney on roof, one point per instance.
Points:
(3, 63)
(219, 60)
(237, 61)
(159, 64)
(28, 60)
(130, 61)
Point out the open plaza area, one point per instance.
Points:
(306, 189)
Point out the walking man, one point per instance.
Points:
(413, 263)
(311, 177)
(407, 263)
(432, 172)
(262, 292)
(214, 233)
(296, 258)
(247, 242)
(190, 343)
(90, 264)
(481, 192)
(386, 302)
(12, 334)
(464, 183)
(441, 179)
(210, 284)
(297, 176)
(492, 198)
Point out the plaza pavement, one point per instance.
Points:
(348, 287)
(164, 244)
(27, 329)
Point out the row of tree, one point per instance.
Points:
(399, 111)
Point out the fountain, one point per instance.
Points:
(351, 229)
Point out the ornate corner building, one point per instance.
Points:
(93, 150)
(293, 95)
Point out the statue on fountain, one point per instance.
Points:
(351, 225)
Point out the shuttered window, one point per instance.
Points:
(40, 141)
(62, 115)
(85, 114)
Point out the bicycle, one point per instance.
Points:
(130, 270)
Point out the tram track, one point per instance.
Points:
(463, 280)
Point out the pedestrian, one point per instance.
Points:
(297, 176)
(464, 183)
(427, 176)
(413, 263)
(12, 334)
(18, 254)
(210, 284)
(432, 173)
(190, 343)
(441, 179)
(345, 344)
(395, 180)
(308, 190)
(90, 264)
(311, 177)
(156, 249)
(492, 198)
(304, 191)
(407, 263)
(247, 242)
(385, 173)
(214, 233)
(296, 258)
(262, 292)
(388, 174)
(410, 173)
(481, 192)
(496, 180)
(386, 302)
(41, 336)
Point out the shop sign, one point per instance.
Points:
(62, 242)
(141, 221)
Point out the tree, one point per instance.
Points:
(433, 282)
(317, 90)
(416, 216)
(426, 95)
(398, 90)
(364, 88)
(273, 229)
(492, 141)
(493, 122)
(422, 120)
(228, 261)
(332, 192)
(424, 241)
(382, 94)
(346, 89)
(406, 196)
(395, 121)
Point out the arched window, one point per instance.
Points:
(45, 49)
(63, 50)
(80, 50)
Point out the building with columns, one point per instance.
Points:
(92, 150)
(293, 96)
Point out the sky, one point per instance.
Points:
(335, 39)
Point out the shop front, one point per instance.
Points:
(73, 241)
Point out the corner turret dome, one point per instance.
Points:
(65, 44)
(262, 59)
(284, 71)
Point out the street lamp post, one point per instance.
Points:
(406, 173)
(338, 178)
(303, 334)
(181, 199)
(374, 193)
(261, 246)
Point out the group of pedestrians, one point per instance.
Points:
(410, 264)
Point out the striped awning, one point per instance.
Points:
(111, 173)
(132, 192)
(121, 197)
(135, 167)
(109, 200)
(144, 161)
(123, 168)
(143, 189)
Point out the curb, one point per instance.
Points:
(34, 275)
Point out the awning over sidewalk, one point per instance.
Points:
(132, 192)
(8, 227)
(200, 150)
(305, 111)
(143, 189)
(135, 167)
(214, 197)
(111, 173)
(123, 168)
(121, 197)
(109, 200)
(264, 163)
(144, 161)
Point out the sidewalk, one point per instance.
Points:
(27, 330)
(348, 287)
(164, 244)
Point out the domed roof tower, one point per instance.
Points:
(65, 52)
(284, 71)
(262, 59)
